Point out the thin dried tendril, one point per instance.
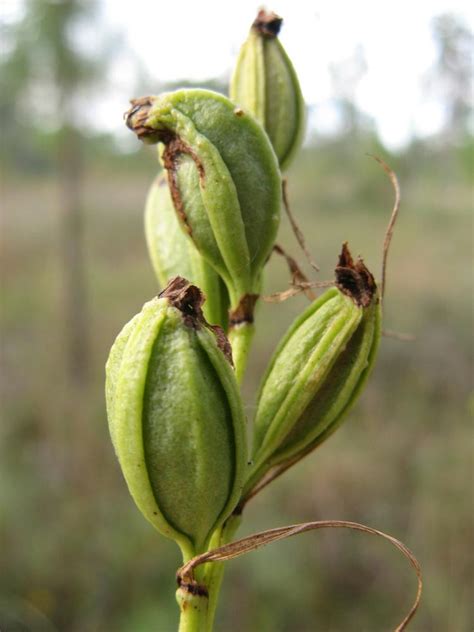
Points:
(296, 229)
(392, 221)
(397, 335)
(295, 289)
(185, 574)
(297, 275)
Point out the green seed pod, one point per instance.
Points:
(176, 418)
(318, 369)
(265, 83)
(173, 253)
(223, 177)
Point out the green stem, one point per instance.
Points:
(214, 572)
(198, 608)
(194, 611)
(240, 337)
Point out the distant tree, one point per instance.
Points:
(52, 59)
(451, 77)
(346, 76)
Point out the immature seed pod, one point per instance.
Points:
(224, 180)
(265, 83)
(173, 253)
(176, 418)
(317, 370)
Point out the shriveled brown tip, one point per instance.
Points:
(222, 342)
(189, 299)
(136, 118)
(267, 24)
(243, 313)
(354, 278)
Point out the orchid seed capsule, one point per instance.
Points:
(176, 418)
(318, 369)
(173, 253)
(223, 177)
(265, 83)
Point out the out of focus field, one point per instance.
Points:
(76, 553)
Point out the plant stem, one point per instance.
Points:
(194, 611)
(240, 337)
(214, 573)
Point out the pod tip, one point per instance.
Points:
(267, 24)
(354, 279)
(189, 299)
(136, 119)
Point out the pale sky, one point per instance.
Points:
(199, 39)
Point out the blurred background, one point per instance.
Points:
(76, 555)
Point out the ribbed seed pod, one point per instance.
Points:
(265, 83)
(223, 177)
(173, 253)
(318, 369)
(176, 418)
